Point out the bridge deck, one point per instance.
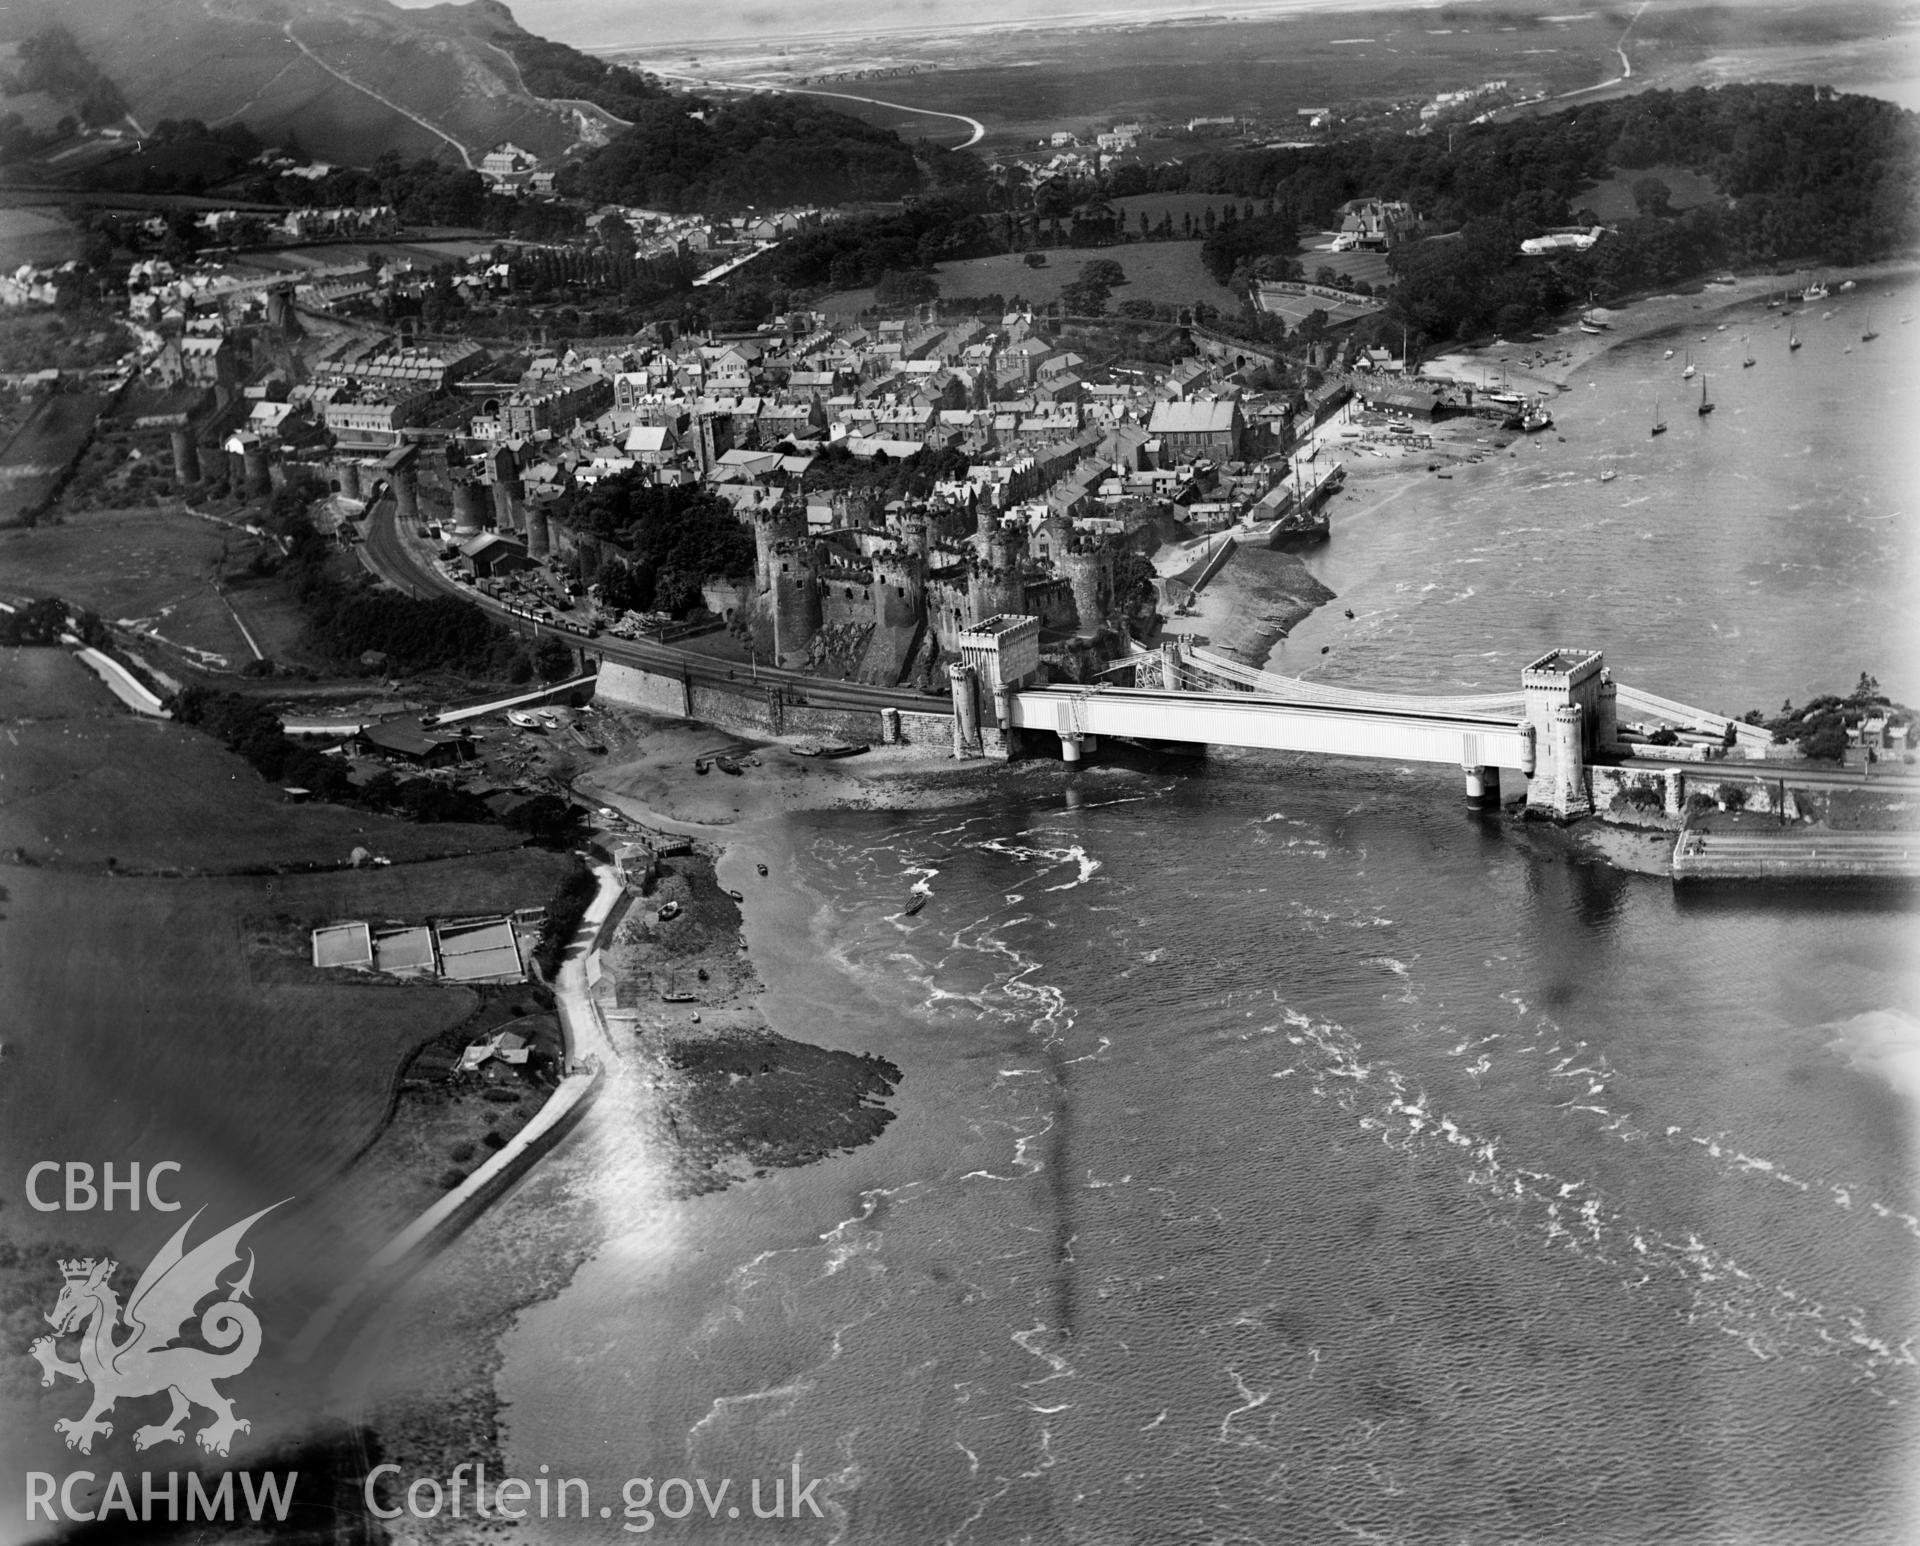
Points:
(1243, 719)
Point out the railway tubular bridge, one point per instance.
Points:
(1563, 713)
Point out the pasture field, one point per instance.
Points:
(137, 1028)
(154, 1017)
(29, 236)
(154, 567)
(84, 781)
(1167, 273)
(1026, 83)
(50, 436)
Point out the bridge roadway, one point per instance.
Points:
(1463, 740)
(390, 556)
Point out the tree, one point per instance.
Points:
(905, 287)
(1652, 197)
(552, 657)
(1082, 299)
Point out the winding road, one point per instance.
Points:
(979, 129)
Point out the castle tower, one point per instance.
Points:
(469, 507)
(794, 598)
(254, 461)
(539, 532)
(186, 456)
(986, 525)
(280, 316)
(899, 589)
(914, 524)
(501, 468)
(1090, 573)
(781, 525)
(400, 469)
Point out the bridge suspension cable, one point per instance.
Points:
(1202, 670)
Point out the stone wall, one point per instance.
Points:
(754, 708)
(1610, 788)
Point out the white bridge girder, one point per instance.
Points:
(1241, 719)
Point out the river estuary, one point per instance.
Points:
(1287, 1154)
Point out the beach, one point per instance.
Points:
(702, 1094)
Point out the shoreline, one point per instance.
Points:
(1549, 360)
(440, 1345)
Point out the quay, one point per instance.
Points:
(1799, 857)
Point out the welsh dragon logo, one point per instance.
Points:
(142, 1363)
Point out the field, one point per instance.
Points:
(1168, 273)
(28, 236)
(134, 1020)
(1025, 82)
(84, 781)
(1613, 199)
(334, 254)
(155, 566)
(49, 437)
(178, 1018)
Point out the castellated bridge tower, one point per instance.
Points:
(1569, 703)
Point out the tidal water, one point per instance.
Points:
(1286, 1154)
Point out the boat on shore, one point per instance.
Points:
(830, 749)
(728, 765)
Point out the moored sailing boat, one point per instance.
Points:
(1705, 407)
(1687, 374)
(1870, 334)
(1659, 424)
(1748, 362)
(1793, 337)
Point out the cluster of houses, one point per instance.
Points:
(1049, 469)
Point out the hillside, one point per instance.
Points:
(350, 78)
